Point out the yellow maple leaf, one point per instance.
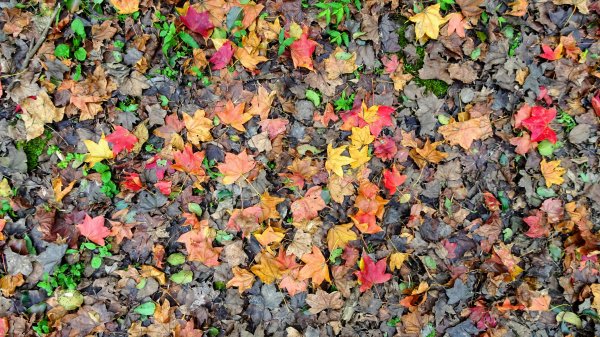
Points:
(360, 157)
(97, 151)
(198, 127)
(397, 259)
(57, 187)
(361, 136)
(316, 267)
(126, 6)
(270, 236)
(335, 160)
(552, 172)
(338, 236)
(428, 22)
(267, 269)
(427, 154)
(268, 204)
(242, 279)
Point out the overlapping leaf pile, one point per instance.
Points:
(300, 168)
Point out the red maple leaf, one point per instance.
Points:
(539, 126)
(392, 179)
(537, 226)
(121, 139)
(93, 229)
(189, 161)
(371, 273)
(596, 104)
(164, 187)
(551, 55)
(198, 22)
(385, 148)
(274, 127)
(391, 64)
(302, 50)
(222, 57)
(132, 182)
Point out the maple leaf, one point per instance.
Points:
(302, 50)
(457, 24)
(335, 160)
(198, 22)
(551, 55)
(329, 115)
(581, 5)
(223, 56)
(570, 46)
(189, 161)
(552, 172)
(261, 104)
(267, 269)
(523, 144)
(359, 157)
(392, 179)
(340, 62)
(37, 111)
(233, 115)
(97, 152)
(121, 230)
(539, 124)
(94, 229)
(339, 187)
(338, 236)
(269, 236)
(322, 300)
(235, 166)
(242, 279)
(274, 127)
(132, 182)
(371, 273)
(385, 148)
(464, 133)
(309, 206)
(522, 114)
(198, 127)
(596, 104)
(291, 283)
(427, 154)
(537, 226)
(428, 22)
(200, 248)
(397, 259)
(121, 139)
(518, 8)
(361, 136)
(247, 220)
(268, 205)
(126, 6)
(316, 267)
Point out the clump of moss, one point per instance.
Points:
(437, 87)
(34, 148)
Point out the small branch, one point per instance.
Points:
(31, 53)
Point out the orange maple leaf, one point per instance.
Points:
(199, 247)
(316, 267)
(235, 166)
(189, 161)
(233, 115)
(242, 279)
(94, 229)
(309, 206)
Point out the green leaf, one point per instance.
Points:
(314, 97)
(195, 208)
(507, 233)
(78, 28)
(176, 259)
(569, 317)
(475, 53)
(223, 236)
(89, 245)
(96, 262)
(429, 262)
(545, 192)
(189, 40)
(182, 277)
(335, 254)
(343, 56)
(545, 148)
(146, 309)
(62, 51)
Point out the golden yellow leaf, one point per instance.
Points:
(9, 283)
(338, 236)
(126, 6)
(37, 112)
(361, 136)
(5, 190)
(59, 193)
(464, 133)
(359, 157)
(596, 292)
(428, 22)
(427, 154)
(268, 204)
(97, 152)
(151, 271)
(552, 172)
(270, 236)
(335, 160)
(397, 259)
(267, 269)
(242, 279)
(198, 127)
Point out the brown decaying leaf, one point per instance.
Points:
(464, 133)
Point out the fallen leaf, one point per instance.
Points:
(189, 161)
(9, 283)
(551, 55)
(518, 8)
(371, 273)
(335, 159)
(340, 62)
(552, 172)
(267, 269)
(339, 236)
(470, 8)
(308, 207)
(464, 133)
(316, 267)
(235, 166)
(397, 260)
(428, 22)
(392, 179)
(94, 229)
(233, 115)
(242, 279)
(59, 192)
(97, 152)
(322, 300)
(581, 5)
(37, 112)
(200, 248)
(302, 50)
(198, 22)
(198, 127)
(121, 139)
(223, 56)
(126, 6)
(539, 124)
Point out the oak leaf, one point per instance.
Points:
(552, 172)
(371, 273)
(315, 267)
(242, 279)
(428, 22)
(338, 236)
(235, 166)
(464, 133)
(94, 229)
(233, 115)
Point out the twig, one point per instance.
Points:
(40, 41)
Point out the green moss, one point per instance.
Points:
(437, 87)
(34, 148)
